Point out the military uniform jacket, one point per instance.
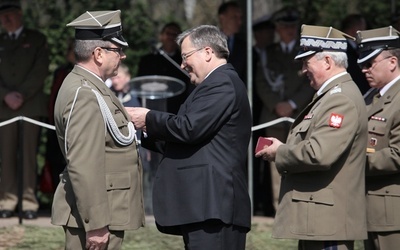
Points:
(322, 195)
(23, 67)
(296, 86)
(101, 185)
(383, 166)
(202, 174)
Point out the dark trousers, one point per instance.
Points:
(213, 235)
(325, 245)
(382, 240)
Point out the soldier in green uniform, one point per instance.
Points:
(380, 62)
(322, 195)
(100, 192)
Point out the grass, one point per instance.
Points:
(147, 238)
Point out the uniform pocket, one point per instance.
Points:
(118, 188)
(376, 127)
(313, 213)
(383, 206)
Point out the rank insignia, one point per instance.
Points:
(308, 116)
(335, 120)
(335, 90)
(373, 142)
(376, 118)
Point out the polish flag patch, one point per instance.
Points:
(335, 120)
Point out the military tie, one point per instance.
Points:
(12, 36)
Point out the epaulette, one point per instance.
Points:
(85, 84)
(335, 90)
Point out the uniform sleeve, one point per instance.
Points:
(209, 110)
(86, 162)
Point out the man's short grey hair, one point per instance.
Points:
(340, 58)
(84, 48)
(393, 52)
(207, 36)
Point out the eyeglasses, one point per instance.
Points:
(370, 65)
(185, 56)
(117, 50)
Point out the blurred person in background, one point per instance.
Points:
(230, 21)
(24, 62)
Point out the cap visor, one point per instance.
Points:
(119, 40)
(368, 55)
(304, 54)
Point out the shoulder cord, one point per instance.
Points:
(108, 120)
(112, 126)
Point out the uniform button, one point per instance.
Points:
(311, 198)
(111, 185)
(387, 191)
(86, 220)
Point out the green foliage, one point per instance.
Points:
(51, 17)
(140, 27)
(331, 12)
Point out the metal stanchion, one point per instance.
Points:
(20, 168)
(20, 155)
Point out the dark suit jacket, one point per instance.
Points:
(203, 171)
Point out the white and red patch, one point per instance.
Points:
(336, 120)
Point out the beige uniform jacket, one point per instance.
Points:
(322, 194)
(102, 183)
(383, 166)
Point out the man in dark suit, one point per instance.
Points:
(200, 188)
(24, 62)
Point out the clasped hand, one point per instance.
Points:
(14, 100)
(138, 116)
(97, 239)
